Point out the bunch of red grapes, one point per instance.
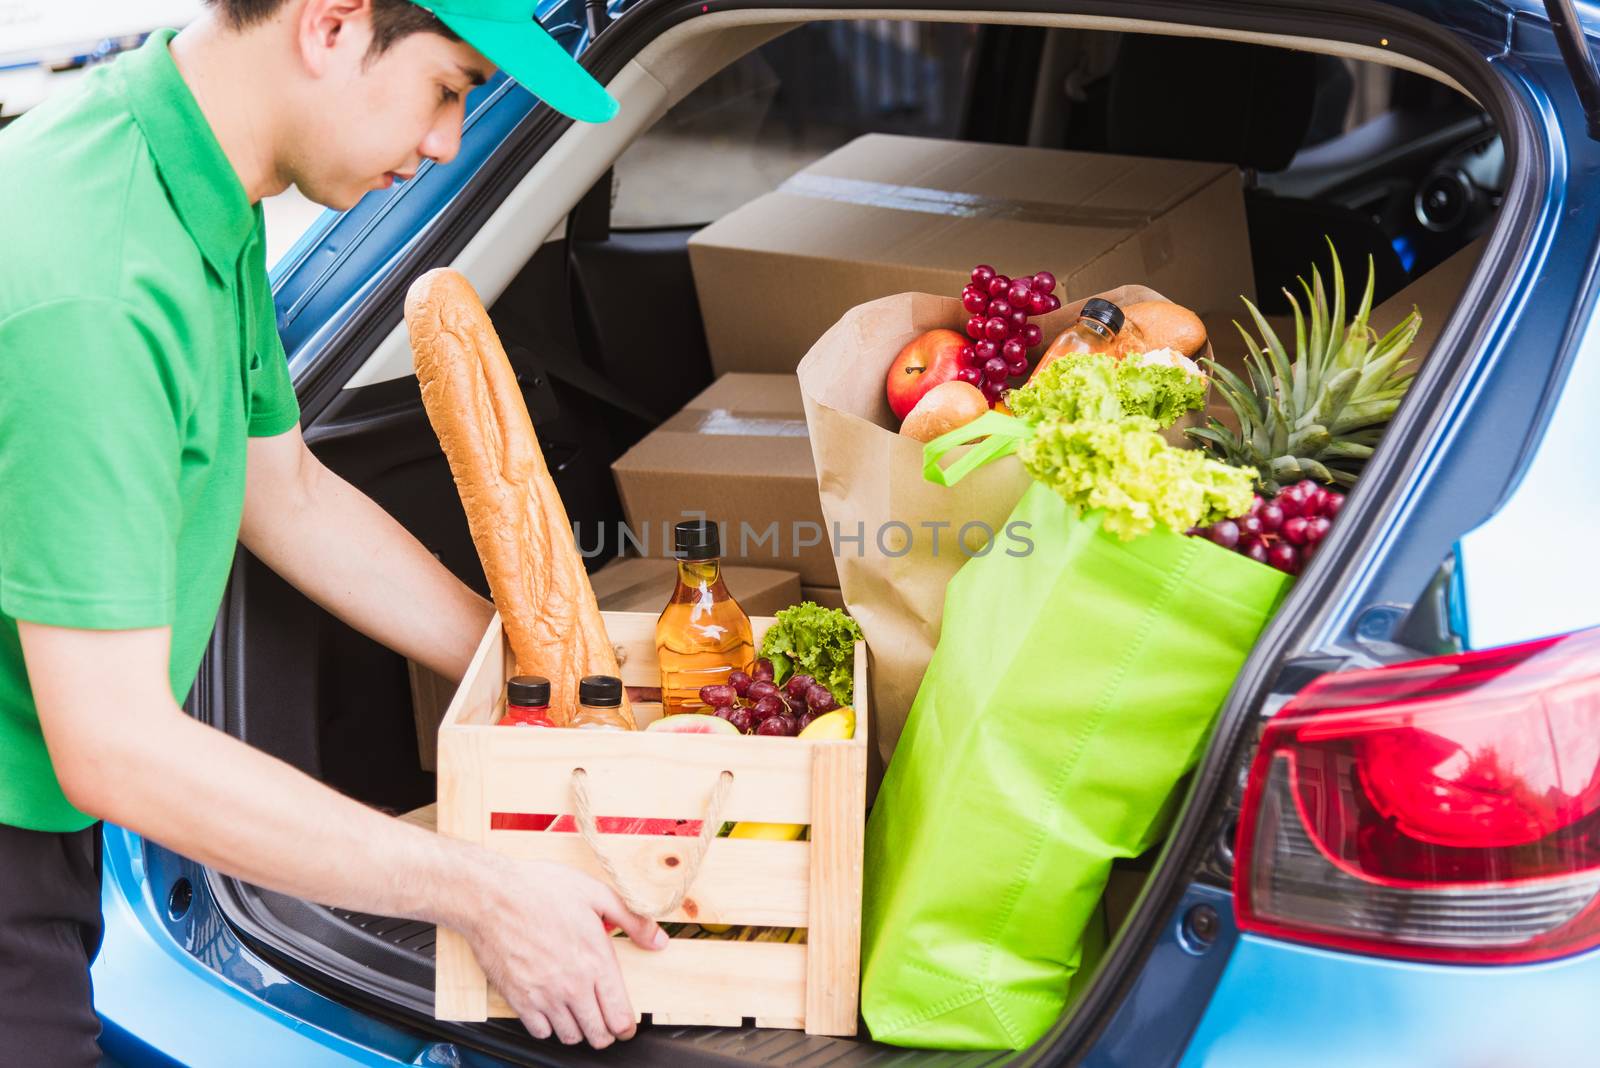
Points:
(999, 328)
(1282, 532)
(755, 703)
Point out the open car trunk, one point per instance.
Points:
(603, 328)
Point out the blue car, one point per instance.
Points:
(1390, 852)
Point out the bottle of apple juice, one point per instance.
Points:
(703, 635)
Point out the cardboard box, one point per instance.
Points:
(640, 585)
(1435, 295)
(888, 214)
(430, 696)
(826, 596)
(739, 455)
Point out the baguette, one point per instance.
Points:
(514, 512)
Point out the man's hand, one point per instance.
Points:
(548, 954)
(538, 929)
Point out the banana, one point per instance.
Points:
(835, 726)
(770, 832)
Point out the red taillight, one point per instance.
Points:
(1445, 809)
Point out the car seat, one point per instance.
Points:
(1252, 106)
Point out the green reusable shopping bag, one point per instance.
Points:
(1072, 687)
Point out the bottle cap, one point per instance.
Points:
(697, 539)
(1103, 311)
(528, 691)
(603, 691)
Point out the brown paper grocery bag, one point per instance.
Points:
(895, 534)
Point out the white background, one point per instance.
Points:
(51, 30)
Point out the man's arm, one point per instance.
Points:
(332, 543)
(536, 928)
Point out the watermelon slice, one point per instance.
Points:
(519, 821)
(629, 825)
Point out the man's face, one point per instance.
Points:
(372, 122)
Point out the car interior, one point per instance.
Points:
(587, 275)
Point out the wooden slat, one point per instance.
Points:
(705, 1016)
(833, 980)
(430, 698)
(461, 992)
(644, 774)
(646, 713)
(698, 979)
(634, 635)
(426, 817)
(481, 697)
(861, 698)
(741, 881)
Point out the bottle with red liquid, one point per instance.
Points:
(528, 702)
(527, 705)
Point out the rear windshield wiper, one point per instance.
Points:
(1579, 60)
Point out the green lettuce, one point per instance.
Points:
(1093, 386)
(1071, 388)
(811, 640)
(1158, 391)
(1125, 468)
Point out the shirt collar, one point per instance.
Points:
(205, 189)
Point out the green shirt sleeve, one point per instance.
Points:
(273, 407)
(89, 463)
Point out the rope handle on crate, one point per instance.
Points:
(691, 869)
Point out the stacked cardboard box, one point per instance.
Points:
(1434, 296)
(738, 455)
(887, 214)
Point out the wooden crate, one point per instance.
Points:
(430, 698)
(815, 884)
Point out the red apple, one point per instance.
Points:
(929, 360)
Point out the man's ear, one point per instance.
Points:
(330, 32)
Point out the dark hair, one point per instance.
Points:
(392, 20)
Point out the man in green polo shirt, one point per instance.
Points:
(148, 425)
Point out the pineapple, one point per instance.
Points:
(1318, 415)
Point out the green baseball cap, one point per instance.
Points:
(507, 33)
